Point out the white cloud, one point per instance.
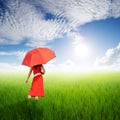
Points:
(68, 65)
(19, 54)
(65, 66)
(12, 67)
(22, 21)
(115, 8)
(75, 37)
(27, 19)
(111, 59)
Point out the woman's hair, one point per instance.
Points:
(35, 66)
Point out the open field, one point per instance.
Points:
(94, 96)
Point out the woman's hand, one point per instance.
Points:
(42, 70)
(26, 81)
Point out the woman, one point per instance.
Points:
(37, 88)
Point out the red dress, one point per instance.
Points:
(37, 88)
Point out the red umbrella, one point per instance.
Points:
(38, 56)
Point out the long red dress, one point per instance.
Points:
(37, 87)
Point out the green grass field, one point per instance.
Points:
(94, 96)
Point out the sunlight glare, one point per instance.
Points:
(82, 51)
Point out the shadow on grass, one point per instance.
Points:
(23, 110)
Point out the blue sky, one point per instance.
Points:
(84, 35)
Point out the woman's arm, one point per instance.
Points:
(30, 71)
(42, 70)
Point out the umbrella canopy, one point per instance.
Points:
(38, 56)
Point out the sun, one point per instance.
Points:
(82, 50)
